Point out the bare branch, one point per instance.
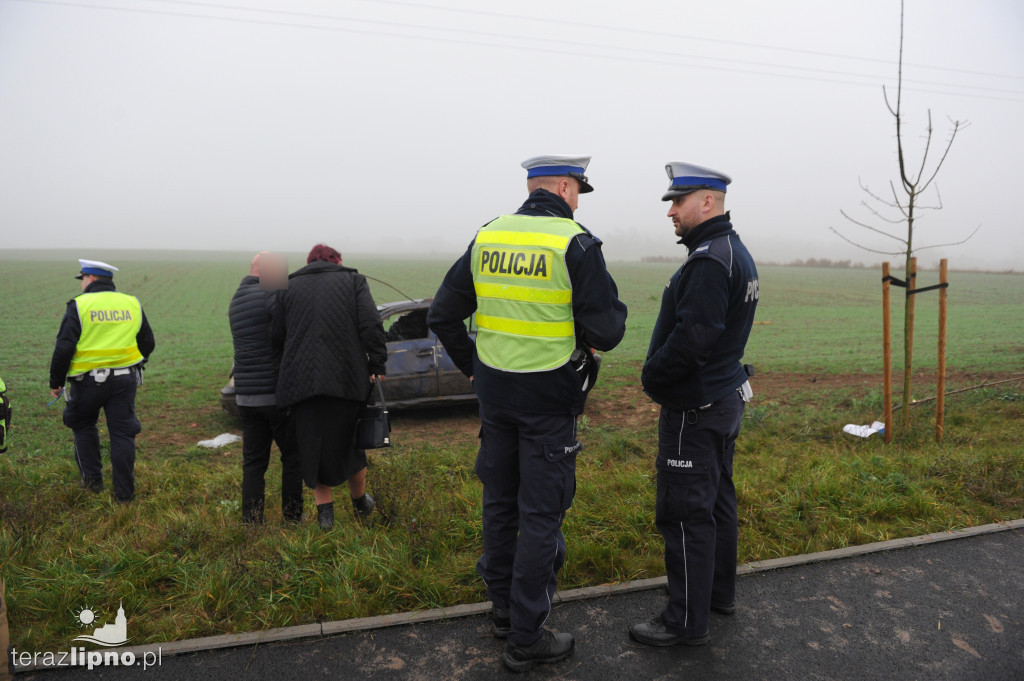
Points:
(938, 207)
(952, 136)
(864, 248)
(891, 221)
(870, 193)
(872, 229)
(885, 96)
(983, 384)
(927, 147)
(960, 125)
(955, 243)
(896, 198)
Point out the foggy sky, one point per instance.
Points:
(399, 126)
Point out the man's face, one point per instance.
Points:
(86, 280)
(686, 213)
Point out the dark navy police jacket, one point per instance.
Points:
(706, 315)
(599, 315)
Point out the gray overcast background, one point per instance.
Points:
(386, 125)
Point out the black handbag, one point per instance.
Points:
(373, 427)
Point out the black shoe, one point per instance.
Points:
(291, 511)
(363, 505)
(724, 608)
(656, 633)
(325, 515)
(95, 485)
(501, 625)
(124, 500)
(550, 647)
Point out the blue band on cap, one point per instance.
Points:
(97, 272)
(542, 171)
(695, 181)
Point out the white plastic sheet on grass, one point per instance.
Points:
(220, 441)
(864, 431)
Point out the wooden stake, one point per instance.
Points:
(940, 403)
(886, 352)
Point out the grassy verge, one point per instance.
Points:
(184, 566)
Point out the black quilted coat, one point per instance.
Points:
(250, 314)
(329, 333)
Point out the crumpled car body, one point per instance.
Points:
(420, 372)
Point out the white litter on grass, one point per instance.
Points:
(220, 440)
(864, 431)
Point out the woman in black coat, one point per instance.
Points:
(333, 349)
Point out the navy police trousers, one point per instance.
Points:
(696, 510)
(527, 463)
(116, 396)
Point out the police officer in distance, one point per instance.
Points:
(103, 342)
(693, 371)
(538, 285)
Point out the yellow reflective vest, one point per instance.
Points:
(110, 322)
(524, 297)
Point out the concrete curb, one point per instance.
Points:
(437, 614)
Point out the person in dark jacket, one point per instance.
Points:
(255, 375)
(543, 299)
(333, 350)
(102, 345)
(693, 371)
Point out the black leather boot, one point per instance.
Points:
(325, 515)
(550, 647)
(363, 505)
(501, 623)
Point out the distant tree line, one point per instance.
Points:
(809, 262)
(826, 262)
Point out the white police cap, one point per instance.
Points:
(688, 177)
(95, 268)
(573, 166)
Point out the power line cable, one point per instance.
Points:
(618, 29)
(592, 45)
(549, 50)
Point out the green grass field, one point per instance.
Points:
(184, 566)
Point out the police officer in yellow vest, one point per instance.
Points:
(103, 342)
(542, 297)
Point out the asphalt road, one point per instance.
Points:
(952, 610)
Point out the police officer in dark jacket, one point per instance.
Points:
(537, 283)
(693, 371)
(103, 341)
(255, 375)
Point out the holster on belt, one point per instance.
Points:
(586, 365)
